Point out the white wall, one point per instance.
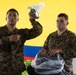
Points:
(74, 65)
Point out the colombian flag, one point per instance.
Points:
(30, 52)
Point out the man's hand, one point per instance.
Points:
(42, 52)
(31, 18)
(14, 38)
(54, 51)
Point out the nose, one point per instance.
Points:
(58, 22)
(12, 17)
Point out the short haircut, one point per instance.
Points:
(63, 15)
(12, 9)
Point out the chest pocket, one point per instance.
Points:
(58, 42)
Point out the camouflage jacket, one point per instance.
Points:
(11, 53)
(67, 42)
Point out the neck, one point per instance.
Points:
(61, 31)
(10, 28)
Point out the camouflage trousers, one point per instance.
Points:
(10, 73)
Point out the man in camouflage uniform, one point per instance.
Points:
(61, 41)
(12, 42)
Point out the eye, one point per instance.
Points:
(9, 15)
(14, 15)
(57, 20)
(61, 21)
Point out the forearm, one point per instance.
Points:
(69, 53)
(35, 31)
(36, 26)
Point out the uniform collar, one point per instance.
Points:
(6, 30)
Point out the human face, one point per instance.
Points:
(62, 23)
(12, 18)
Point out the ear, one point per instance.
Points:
(67, 23)
(18, 19)
(6, 18)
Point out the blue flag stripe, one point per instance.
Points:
(31, 51)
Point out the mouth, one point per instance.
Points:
(11, 20)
